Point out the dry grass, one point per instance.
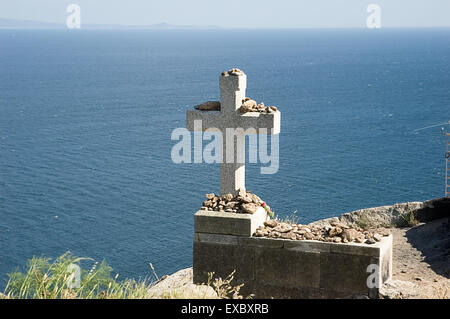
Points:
(441, 291)
(224, 287)
(44, 279)
(291, 219)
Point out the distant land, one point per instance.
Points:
(30, 24)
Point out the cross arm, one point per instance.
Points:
(210, 119)
(250, 120)
(256, 120)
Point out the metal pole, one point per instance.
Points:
(447, 165)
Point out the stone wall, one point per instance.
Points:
(279, 268)
(392, 215)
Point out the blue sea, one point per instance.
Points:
(86, 118)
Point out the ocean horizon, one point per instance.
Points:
(86, 119)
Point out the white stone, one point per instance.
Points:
(212, 222)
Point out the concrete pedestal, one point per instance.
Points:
(281, 268)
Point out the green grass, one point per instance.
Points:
(47, 279)
(408, 219)
(291, 219)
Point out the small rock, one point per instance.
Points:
(231, 204)
(289, 235)
(275, 234)
(208, 106)
(234, 72)
(228, 197)
(334, 231)
(283, 228)
(249, 208)
(256, 199)
(377, 237)
(270, 223)
(247, 199)
(370, 241)
(249, 103)
(309, 236)
(208, 203)
(349, 234)
(259, 233)
(384, 232)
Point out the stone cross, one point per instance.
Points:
(232, 94)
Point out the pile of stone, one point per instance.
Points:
(234, 71)
(336, 233)
(249, 105)
(243, 203)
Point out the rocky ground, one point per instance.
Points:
(421, 261)
(180, 285)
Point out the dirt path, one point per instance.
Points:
(421, 257)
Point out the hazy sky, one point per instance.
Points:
(235, 13)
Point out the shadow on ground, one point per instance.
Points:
(433, 241)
